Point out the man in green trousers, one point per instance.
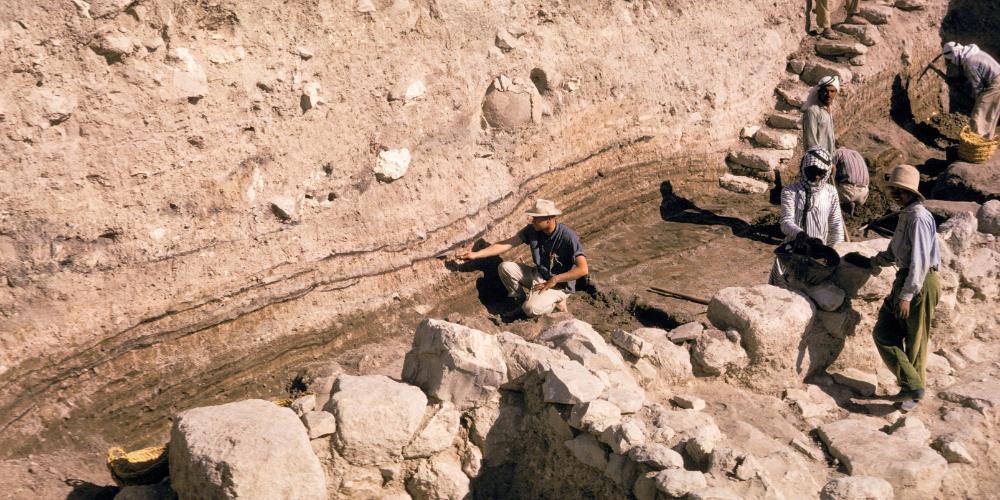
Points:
(904, 321)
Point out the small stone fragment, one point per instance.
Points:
(742, 185)
(304, 405)
(953, 451)
(857, 488)
(392, 164)
(689, 402)
(623, 437)
(319, 423)
(657, 456)
(685, 332)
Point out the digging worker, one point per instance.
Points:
(983, 74)
(817, 120)
(851, 176)
(823, 17)
(810, 207)
(558, 257)
(904, 321)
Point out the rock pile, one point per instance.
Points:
(577, 412)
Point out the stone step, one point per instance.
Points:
(742, 185)
(759, 159)
(909, 5)
(745, 171)
(787, 121)
(876, 14)
(865, 33)
(775, 139)
(793, 96)
(835, 48)
(815, 70)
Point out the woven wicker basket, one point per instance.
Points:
(975, 148)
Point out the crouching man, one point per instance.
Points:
(558, 257)
(904, 321)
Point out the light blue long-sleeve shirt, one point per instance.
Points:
(981, 70)
(914, 246)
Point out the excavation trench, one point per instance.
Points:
(646, 217)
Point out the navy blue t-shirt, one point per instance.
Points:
(553, 254)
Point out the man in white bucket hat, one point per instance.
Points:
(904, 321)
(558, 261)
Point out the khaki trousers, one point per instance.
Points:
(986, 112)
(902, 343)
(851, 193)
(822, 10)
(519, 278)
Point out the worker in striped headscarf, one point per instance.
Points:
(810, 208)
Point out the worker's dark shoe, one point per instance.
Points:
(909, 404)
(904, 394)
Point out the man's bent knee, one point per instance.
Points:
(533, 308)
(507, 268)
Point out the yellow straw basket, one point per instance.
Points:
(975, 148)
(145, 466)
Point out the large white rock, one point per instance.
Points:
(594, 416)
(248, 449)
(759, 159)
(392, 164)
(437, 433)
(656, 455)
(741, 184)
(440, 478)
(817, 69)
(715, 354)
(568, 382)
(775, 139)
(864, 450)
(376, 417)
(523, 357)
(630, 343)
(455, 363)
(680, 482)
(772, 322)
(857, 282)
(588, 451)
(673, 362)
(989, 217)
(580, 342)
(857, 488)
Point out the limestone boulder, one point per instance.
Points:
(865, 33)
(785, 121)
(876, 14)
(857, 488)
(580, 342)
(763, 160)
(495, 430)
(376, 417)
(864, 383)
(437, 434)
(943, 210)
(840, 48)
(741, 184)
(632, 344)
(818, 69)
(247, 449)
(714, 353)
(656, 455)
(981, 395)
(679, 482)
(595, 416)
(775, 139)
(772, 323)
(989, 217)
(624, 436)
(510, 104)
(588, 451)
(913, 469)
(953, 450)
(672, 361)
(568, 382)
(455, 363)
(523, 357)
(686, 332)
(319, 423)
(858, 282)
(440, 478)
(969, 182)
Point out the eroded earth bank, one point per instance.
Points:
(205, 202)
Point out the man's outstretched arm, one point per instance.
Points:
(492, 250)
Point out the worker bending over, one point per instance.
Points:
(983, 74)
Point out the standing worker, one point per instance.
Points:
(823, 17)
(817, 119)
(904, 321)
(851, 176)
(982, 71)
(558, 257)
(810, 207)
